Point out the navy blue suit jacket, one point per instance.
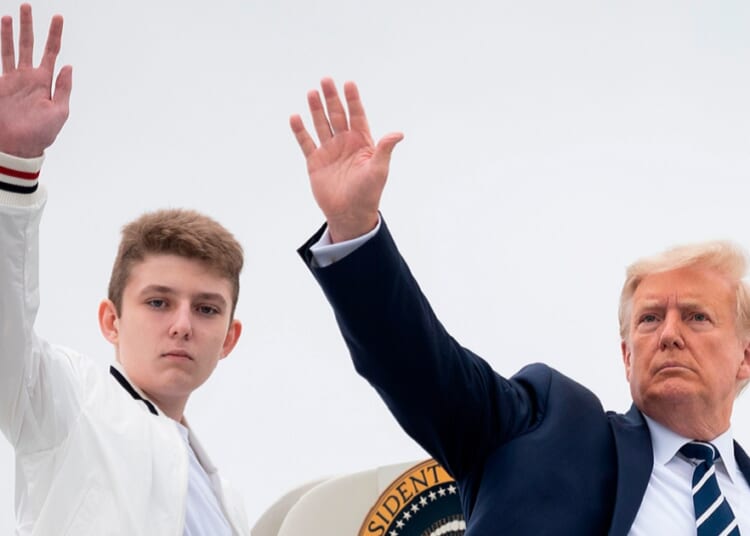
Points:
(532, 454)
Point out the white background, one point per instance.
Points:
(548, 144)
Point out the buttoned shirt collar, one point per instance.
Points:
(666, 444)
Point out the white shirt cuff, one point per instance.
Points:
(324, 253)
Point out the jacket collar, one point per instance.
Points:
(119, 374)
(635, 460)
(743, 461)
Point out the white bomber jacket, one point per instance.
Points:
(91, 459)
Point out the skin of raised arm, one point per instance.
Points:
(31, 115)
(347, 169)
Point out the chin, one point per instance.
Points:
(177, 384)
(671, 392)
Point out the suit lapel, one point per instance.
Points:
(743, 462)
(635, 460)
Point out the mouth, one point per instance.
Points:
(672, 366)
(178, 355)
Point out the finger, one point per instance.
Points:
(7, 51)
(52, 48)
(320, 121)
(384, 149)
(357, 116)
(63, 87)
(305, 141)
(26, 38)
(336, 113)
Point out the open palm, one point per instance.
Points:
(30, 115)
(347, 170)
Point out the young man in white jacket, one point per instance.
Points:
(100, 452)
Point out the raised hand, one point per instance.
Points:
(347, 170)
(31, 116)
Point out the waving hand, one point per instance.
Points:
(31, 116)
(347, 170)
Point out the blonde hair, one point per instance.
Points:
(726, 258)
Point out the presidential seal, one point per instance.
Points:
(423, 501)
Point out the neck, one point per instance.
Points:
(174, 409)
(689, 424)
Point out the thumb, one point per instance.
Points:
(385, 146)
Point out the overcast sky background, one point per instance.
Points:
(548, 144)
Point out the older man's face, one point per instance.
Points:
(683, 353)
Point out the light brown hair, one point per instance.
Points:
(181, 232)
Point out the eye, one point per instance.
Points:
(699, 317)
(647, 318)
(208, 310)
(157, 303)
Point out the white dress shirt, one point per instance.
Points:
(324, 253)
(667, 506)
(203, 514)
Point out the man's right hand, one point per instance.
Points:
(347, 170)
(31, 116)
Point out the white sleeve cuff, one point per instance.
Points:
(324, 253)
(19, 179)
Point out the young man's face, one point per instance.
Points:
(173, 329)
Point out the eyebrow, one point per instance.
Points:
(206, 296)
(688, 303)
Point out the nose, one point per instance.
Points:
(671, 333)
(181, 327)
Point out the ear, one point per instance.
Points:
(744, 371)
(109, 322)
(626, 358)
(233, 335)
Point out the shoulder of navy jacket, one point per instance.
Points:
(633, 418)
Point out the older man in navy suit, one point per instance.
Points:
(536, 453)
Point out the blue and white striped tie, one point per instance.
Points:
(713, 515)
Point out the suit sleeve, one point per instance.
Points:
(37, 400)
(446, 397)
